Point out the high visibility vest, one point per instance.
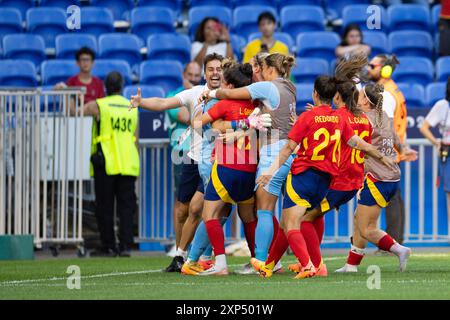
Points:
(400, 114)
(117, 136)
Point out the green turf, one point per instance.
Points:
(427, 277)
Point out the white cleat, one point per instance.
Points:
(246, 269)
(347, 268)
(278, 268)
(403, 256)
(214, 271)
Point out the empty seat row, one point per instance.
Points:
(167, 74)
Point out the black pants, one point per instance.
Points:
(444, 37)
(108, 188)
(395, 217)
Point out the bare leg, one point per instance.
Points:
(181, 212)
(192, 221)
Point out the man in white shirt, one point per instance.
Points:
(189, 203)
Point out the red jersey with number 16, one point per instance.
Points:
(319, 133)
(351, 169)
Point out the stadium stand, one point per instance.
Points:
(307, 69)
(442, 68)
(269, 3)
(318, 44)
(169, 46)
(24, 46)
(17, 73)
(146, 21)
(304, 95)
(47, 22)
(59, 3)
(414, 70)
(238, 43)
(174, 5)
(414, 95)
(245, 18)
(434, 92)
(167, 74)
(66, 45)
(197, 14)
(21, 5)
(358, 14)
(147, 91)
(199, 3)
(335, 7)
(104, 66)
(409, 17)
(120, 46)
(281, 36)
(96, 21)
(411, 43)
(54, 71)
(435, 12)
(300, 2)
(377, 41)
(10, 21)
(120, 8)
(297, 19)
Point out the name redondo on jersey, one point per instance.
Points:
(323, 119)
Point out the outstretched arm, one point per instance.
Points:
(154, 104)
(357, 143)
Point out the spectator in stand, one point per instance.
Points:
(439, 116)
(211, 37)
(267, 43)
(178, 121)
(352, 43)
(444, 29)
(94, 86)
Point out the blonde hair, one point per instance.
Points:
(282, 63)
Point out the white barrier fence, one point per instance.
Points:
(425, 217)
(44, 157)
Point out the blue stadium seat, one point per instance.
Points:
(318, 44)
(24, 46)
(307, 69)
(120, 8)
(167, 74)
(270, 3)
(238, 43)
(377, 41)
(304, 95)
(411, 43)
(281, 36)
(21, 5)
(245, 18)
(442, 68)
(435, 91)
(54, 71)
(47, 22)
(17, 73)
(174, 5)
(435, 12)
(283, 3)
(169, 46)
(68, 44)
(64, 4)
(358, 14)
(409, 17)
(146, 21)
(120, 46)
(414, 94)
(334, 8)
(147, 91)
(414, 70)
(10, 21)
(199, 3)
(104, 66)
(197, 14)
(297, 19)
(96, 21)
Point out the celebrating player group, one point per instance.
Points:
(248, 148)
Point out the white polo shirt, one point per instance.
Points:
(440, 114)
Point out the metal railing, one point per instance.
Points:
(425, 206)
(44, 158)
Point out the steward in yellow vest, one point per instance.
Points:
(114, 165)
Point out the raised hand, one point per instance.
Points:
(259, 121)
(135, 101)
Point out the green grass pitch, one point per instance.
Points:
(427, 277)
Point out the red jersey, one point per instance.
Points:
(94, 90)
(319, 133)
(445, 9)
(351, 169)
(241, 155)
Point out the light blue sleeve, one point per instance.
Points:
(265, 91)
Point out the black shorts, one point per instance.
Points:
(190, 182)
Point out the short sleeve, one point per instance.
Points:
(195, 49)
(437, 113)
(185, 97)
(298, 131)
(266, 91)
(217, 111)
(389, 104)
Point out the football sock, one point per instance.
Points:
(276, 228)
(298, 246)
(386, 243)
(201, 245)
(216, 236)
(312, 242)
(264, 234)
(319, 225)
(249, 231)
(278, 248)
(355, 255)
(181, 253)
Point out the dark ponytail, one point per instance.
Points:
(374, 94)
(239, 75)
(349, 94)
